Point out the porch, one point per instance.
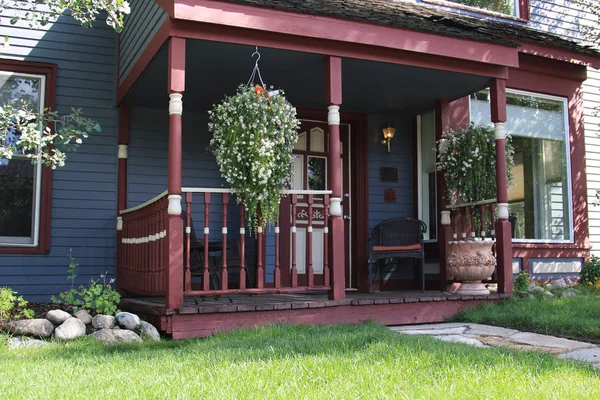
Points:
(201, 316)
(177, 246)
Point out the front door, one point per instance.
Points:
(310, 173)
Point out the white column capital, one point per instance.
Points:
(445, 218)
(335, 207)
(119, 223)
(175, 103)
(123, 151)
(174, 204)
(500, 130)
(502, 211)
(333, 117)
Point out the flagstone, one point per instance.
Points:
(488, 330)
(536, 339)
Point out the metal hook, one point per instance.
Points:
(256, 53)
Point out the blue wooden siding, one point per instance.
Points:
(83, 196)
(140, 26)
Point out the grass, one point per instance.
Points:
(290, 362)
(577, 316)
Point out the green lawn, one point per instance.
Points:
(577, 316)
(289, 362)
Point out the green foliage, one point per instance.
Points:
(97, 297)
(468, 158)
(34, 134)
(502, 6)
(254, 134)
(522, 282)
(590, 273)
(13, 306)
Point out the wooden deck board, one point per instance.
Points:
(200, 317)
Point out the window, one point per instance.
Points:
(24, 187)
(540, 196)
(427, 174)
(513, 8)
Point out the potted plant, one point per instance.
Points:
(467, 157)
(254, 133)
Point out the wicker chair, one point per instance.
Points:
(397, 238)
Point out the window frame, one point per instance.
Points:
(41, 231)
(567, 147)
(523, 10)
(420, 210)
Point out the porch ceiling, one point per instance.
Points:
(214, 69)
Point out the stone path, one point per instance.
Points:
(485, 336)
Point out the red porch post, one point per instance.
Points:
(503, 229)
(121, 189)
(174, 295)
(333, 95)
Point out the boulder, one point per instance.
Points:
(70, 329)
(548, 294)
(112, 336)
(128, 320)
(149, 332)
(568, 293)
(57, 317)
(25, 342)
(89, 329)
(40, 327)
(538, 289)
(83, 316)
(104, 321)
(559, 284)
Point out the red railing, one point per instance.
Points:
(219, 266)
(144, 247)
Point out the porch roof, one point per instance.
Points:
(419, 17)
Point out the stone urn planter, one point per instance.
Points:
(471, 261)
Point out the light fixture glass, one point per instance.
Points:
(388, 135)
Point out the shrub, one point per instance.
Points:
(97, 297)
(13, 306)
(522, 282)
(590, 273)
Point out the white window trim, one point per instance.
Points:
(567, 142)
(420, 182)
(12, 241)
(484, 12)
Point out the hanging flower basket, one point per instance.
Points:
(254, 133)
(467, 157)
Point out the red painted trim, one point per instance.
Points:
(524, 10)
(49, 71)
(122, 171)
(142, 63)
(333, 80)
(288, 23)
(176, 72)
(225, 34)
(498, 100)
(560, 54)
(168, 6)
(202, 325)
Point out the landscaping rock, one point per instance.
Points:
(568, 293)
(89, 329)
(531, 296)
(57, 317)
(83, 316)
(104, 321)
(548, 294)
(460, 339)
(538, 289)
(111, 336)
(25, 342)
(128, 320)
(40, 327)
(550, 286)
(70, 329)
(559, 284)
(116, 327)
(148, 331)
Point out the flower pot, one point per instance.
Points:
(471, 262)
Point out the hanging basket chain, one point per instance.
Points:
(256, 70)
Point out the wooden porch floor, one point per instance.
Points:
(204, 316)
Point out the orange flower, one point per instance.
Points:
(258, 89)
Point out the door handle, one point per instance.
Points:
(347, 195)
(348, 217)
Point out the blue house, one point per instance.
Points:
(144, 200)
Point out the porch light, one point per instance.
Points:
(388, 135)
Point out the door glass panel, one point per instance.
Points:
(301, 143)
(317, 173)
(317, 140)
